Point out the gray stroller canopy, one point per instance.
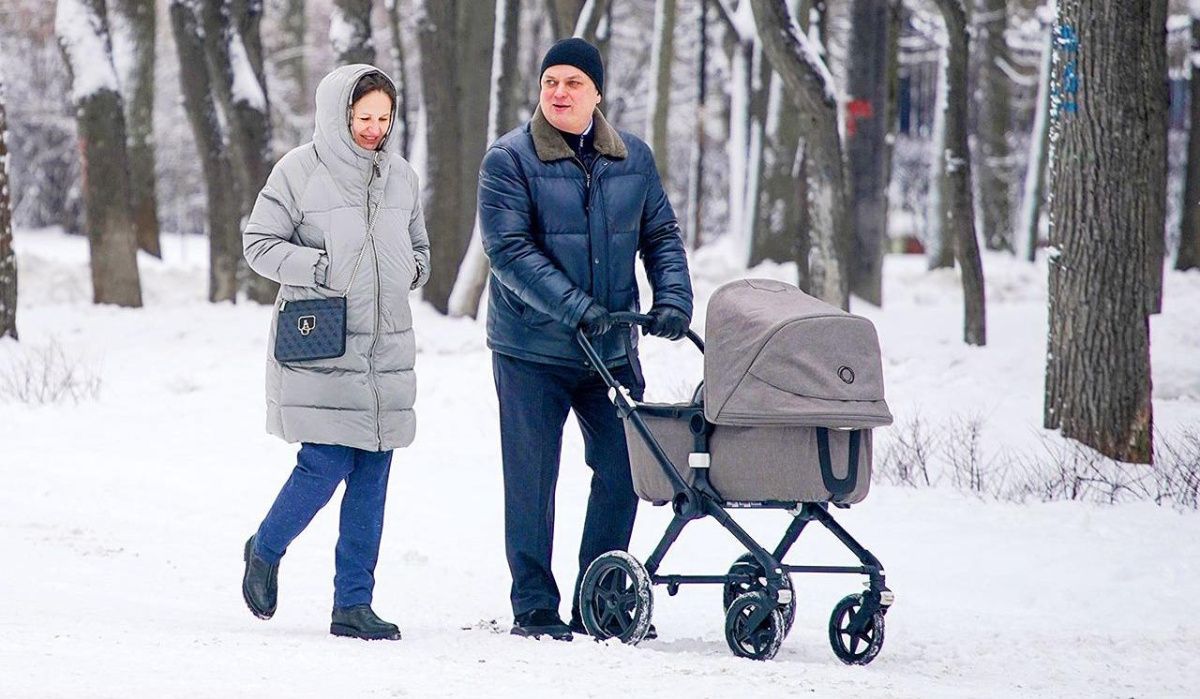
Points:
(777, 356)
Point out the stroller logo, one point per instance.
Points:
(306, 324)
(846, 374)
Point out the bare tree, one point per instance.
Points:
(992, 96)
(401, 129)
(453, 34)
(1107, 211)
(1188, 256)
(502, 116)
(350, 31)
(8, 259)
(233, 49)
(1034, 190)
(82, 29)
(867, 73)
(223, 208)
(661, 56)
(133, 23)
(957, 211)
(779, 227)
(563, 14)
(695, 189)
(291, 62)
(810, 86)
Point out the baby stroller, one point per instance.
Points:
(792, 387)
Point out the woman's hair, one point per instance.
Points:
(371, 82)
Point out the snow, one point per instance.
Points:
(122, 519)
(82, 36)
(246, 88)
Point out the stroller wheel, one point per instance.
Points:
(746, 565)
(615, 599)
(855, 640)
(754, 626)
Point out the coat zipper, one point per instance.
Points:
(378, 309)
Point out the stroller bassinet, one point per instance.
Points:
(792, 387)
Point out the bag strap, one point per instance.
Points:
(372, 218)
(838, 487)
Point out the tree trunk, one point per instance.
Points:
(958, 224)
(350, 32)
(939, 241)
(695, 189)
(292, 63)
(401, 129)
(992, 95)
(82, 28)
(224, 236)
(134, 60)
(1035, 171)
(866, 134)
(1107, 210)
(811, 88)
(563, 14)
(233, 49)
(661, 56)
(589, 24)
(1188, 256)
(453, 34)
(502, 116)
(778, 227)
(8, 260)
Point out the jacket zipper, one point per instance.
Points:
(378, 309)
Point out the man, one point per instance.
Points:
(565, 204)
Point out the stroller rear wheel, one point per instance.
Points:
(754, 626)
(855, 640)
(615, 599)
(745, 565)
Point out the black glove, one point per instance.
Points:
(595, 320)
(417, 277)
(668, 322)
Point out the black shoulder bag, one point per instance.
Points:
(316, 328)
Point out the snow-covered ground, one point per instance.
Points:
(122, 519)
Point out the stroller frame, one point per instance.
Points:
(862, 620)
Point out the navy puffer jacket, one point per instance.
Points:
(559, 238)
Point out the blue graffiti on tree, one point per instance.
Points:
(1066, 40)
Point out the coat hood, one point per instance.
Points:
(335, 146)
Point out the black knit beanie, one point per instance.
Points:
(579, 53)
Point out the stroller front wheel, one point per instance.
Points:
(615, 599)
(754, 626)
(747, 567)
(855, 637)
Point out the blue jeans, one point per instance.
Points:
(534, 401)
(319, 470)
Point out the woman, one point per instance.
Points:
(309, 232)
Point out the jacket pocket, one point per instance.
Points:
(343, 241)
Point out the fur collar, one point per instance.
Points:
(550, 145)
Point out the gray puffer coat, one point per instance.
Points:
(306, 231)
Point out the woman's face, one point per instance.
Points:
(370, 118)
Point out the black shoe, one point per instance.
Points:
(361, 622)
(577, 626)
(260, 583)
(541, 622)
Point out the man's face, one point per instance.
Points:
(568, 98)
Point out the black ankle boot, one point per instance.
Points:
(260, 583)
(541, 622)
(360, 621)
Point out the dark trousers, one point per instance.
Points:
(319, 470)
(534, 401)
